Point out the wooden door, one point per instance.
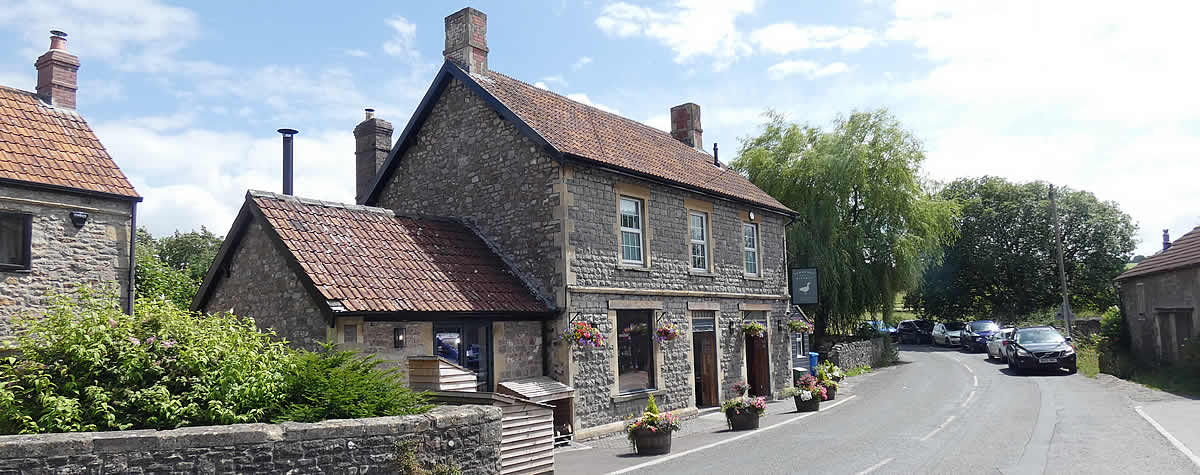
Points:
(704, 364)
(758, 368)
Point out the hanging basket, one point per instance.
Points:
(754, 329)
(584, 335)
(667, 332)
(798, 325)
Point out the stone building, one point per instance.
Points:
(600, 218)
(67, 213)
(1159, 297)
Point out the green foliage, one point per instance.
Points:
(406, 462)
(192, 251)
(651, 407)
(173, 266)
(891, 353)
(866, 220)
(1003, 263)
(1113, 331)
(333, 384)
(86, 366)
(864, 369)
(1087, 360)
(156, 280)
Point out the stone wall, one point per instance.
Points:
(65, 256)
(1150, 304)
(857, 353)
(517, 347)
(261, 285)
(466, 436)
(468, 162)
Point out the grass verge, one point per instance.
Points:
(864, 369)
(1088, 361)
(1175, 380)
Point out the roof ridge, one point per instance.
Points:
(322, 203)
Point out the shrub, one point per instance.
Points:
(333, 384)
(1112, 329)
(86, 366)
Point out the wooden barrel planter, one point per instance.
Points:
(811, 405)
(744, 420)
(646, 442)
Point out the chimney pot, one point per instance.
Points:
(1166, 239)
(57, 81)
(372, 144)
(466, 40)
(685, 125)
(287, 159)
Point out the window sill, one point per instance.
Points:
(16, 270)
(701, 273)
(752, 277)
(633, 267)
(637, 395)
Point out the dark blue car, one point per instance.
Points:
(975, 335)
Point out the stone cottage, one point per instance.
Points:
(599, 218)
(1159, 297)
(67, 213)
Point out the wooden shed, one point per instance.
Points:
(547, 391)
(434, 373)
(527, 432)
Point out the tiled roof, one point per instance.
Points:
(585, 131)
(372, 260)
(51, 146)
(1184, 252)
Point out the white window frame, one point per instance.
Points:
(641, 215)
(692, 242)
(746, 250)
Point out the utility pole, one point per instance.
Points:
(1062, 272)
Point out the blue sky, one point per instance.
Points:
(187, 96)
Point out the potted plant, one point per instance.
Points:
(667, 332)
(742, 412)
(739, 388)
(826, 381)
(807, 394)
(798, 325)
(834, 371)
(754, 329)
(583, 334)
(650, 434)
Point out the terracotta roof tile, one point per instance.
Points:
(585, 131)
(374, 261)
(1184, 252)
(50, 146)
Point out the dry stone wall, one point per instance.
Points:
(465, 436)
(857, 353)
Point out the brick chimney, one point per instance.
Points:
(1166, 239)
(466, 40)
(685, 125)
(372, 143)
(56, 82)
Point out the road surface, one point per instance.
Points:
(939, 411)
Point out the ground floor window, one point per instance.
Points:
(469, 345)
(15, 233)
(635, 350)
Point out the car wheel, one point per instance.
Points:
(1012, 367)
(1073, 368)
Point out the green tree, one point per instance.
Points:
(156, 279)
(867, 222)
(192, 251)
(1003, 264)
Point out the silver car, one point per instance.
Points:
(947, 333)
(996, 343)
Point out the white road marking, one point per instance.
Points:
(969, 370)
(876, 466)
(938, 429)
(975, 381)
(968, 401)
(731, 439)
(1170, 438)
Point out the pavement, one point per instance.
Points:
(938, 411)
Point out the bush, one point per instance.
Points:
(1112, 329)
(333, 384)
(86, 366)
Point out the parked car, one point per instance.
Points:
(915, 331)
(947, 333)
(1040, 348)
(877, 327)
(997, 342)
(975, 334)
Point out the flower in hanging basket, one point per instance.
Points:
(583, 334)
(740, 388)
(667, 332)
(799, 325)
(754, 329)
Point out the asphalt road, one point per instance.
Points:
(939, 411)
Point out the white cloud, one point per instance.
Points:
(403, 42)
(580, 63)
(541, 85)
(784, 38)
(357, 53)
(661, 122)
(584, 99)
(691, 28)
(809, 69)
(555, 79)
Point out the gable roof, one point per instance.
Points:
(581, 132)
(363, 259)
(1184, 252)
(53, 147)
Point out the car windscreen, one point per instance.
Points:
(952, 326)
(1039, 335)
(984, 327)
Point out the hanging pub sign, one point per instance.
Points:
(802, 282)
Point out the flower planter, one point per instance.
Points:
(830, 393)
(744, 420)
(811, 405)
(647, 442)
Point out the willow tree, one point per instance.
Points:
(867, 221)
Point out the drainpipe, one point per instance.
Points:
(132, 257)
